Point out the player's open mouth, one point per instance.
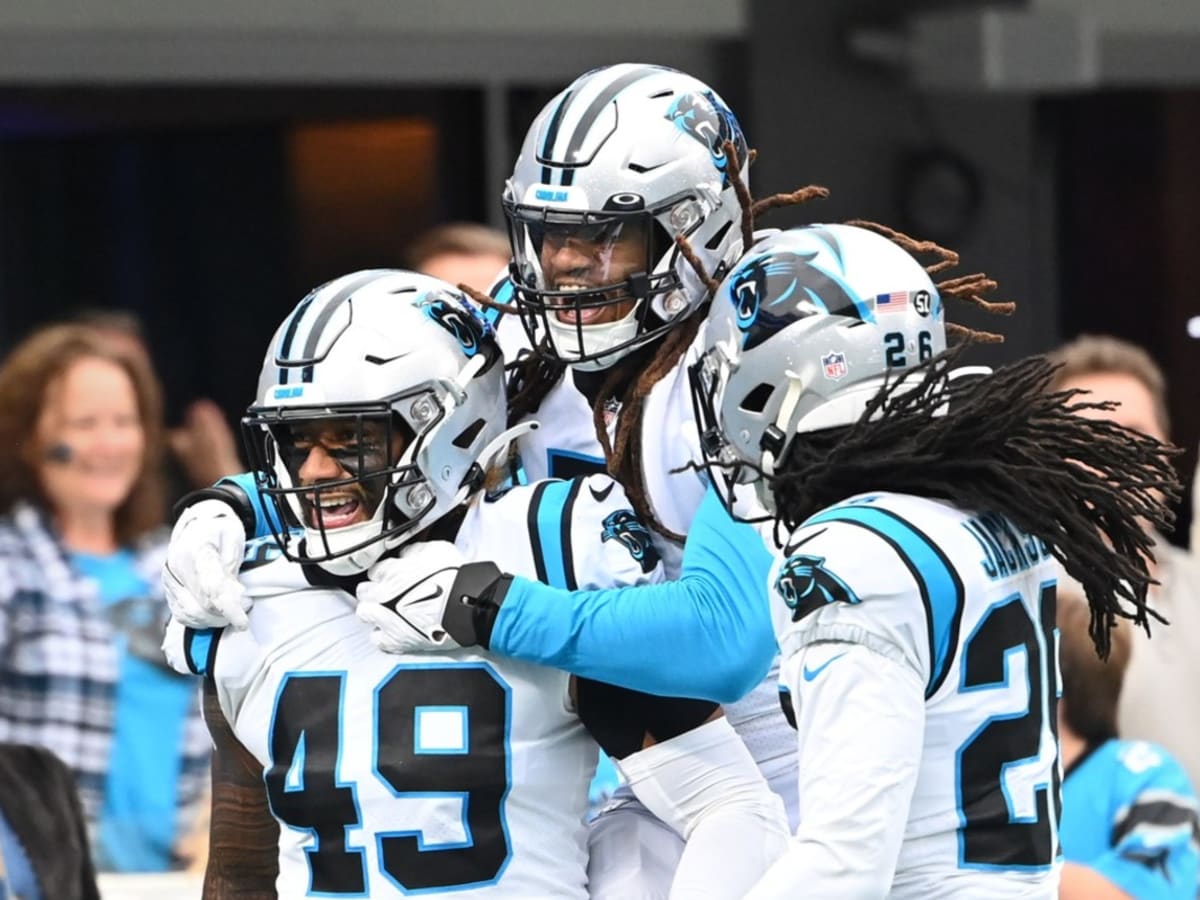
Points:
(572, 316)
(333, 510)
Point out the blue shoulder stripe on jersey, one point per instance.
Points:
(941, 588)
(200, 648)
(502, 294)
(569, 464)
(549, 521)
(266, 515)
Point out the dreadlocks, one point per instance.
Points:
(624, 451)
(968, 288)
(1002, 443)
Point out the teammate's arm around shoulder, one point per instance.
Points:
(716, 609)
(243, 858)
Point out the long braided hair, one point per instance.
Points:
(1003, 443)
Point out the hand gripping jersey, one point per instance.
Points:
(1129, 813)
(448, 772)
(566, 445)
(920, 664)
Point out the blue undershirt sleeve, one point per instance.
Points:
(264, 514)
(706, 635)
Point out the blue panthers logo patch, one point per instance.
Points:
(472, 331)
(627, 528)
(708, 120)
(806, 585)
(771, 290)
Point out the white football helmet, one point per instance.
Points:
(613, 169)
(399, 380)
(802, 333)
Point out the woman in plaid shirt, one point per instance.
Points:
(81, 616)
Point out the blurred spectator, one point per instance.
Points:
(43, 837)
(81, 613)
(1158, 702)
(1129, 825)
(1194, 537)
(461, 253)
(203, 449)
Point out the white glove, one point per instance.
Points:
(404, 597)
(200, 574)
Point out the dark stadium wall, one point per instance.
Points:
(1082, 205)
(969, 170)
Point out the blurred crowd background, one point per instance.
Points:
(174, 176)
(204, 165)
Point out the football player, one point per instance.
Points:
(379, 410)
(617, 167)
(913, 510)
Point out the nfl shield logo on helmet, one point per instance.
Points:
(834, 364)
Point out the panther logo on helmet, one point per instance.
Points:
(806, 585)
(778, 276)
(708, 120)
(627, 528)
(462, 320)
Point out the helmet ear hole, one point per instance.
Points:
(756, 400)
(718, 237)
(467, 436)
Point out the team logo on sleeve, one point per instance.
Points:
(806, 585)
(627, 528)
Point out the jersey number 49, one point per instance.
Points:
(461, 759)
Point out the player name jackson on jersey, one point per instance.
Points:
(440, 772)
(965, 604)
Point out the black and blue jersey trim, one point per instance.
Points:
(940, 586)
(549, 520)
(501, 293)
(200, 649)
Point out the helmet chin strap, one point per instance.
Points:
(490, 454)
(488, 457)
(457, 386)
(359, 560)
(786, 408)
(594, 339)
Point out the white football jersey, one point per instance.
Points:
(566, 443)
(450, 772)
(956, 610)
